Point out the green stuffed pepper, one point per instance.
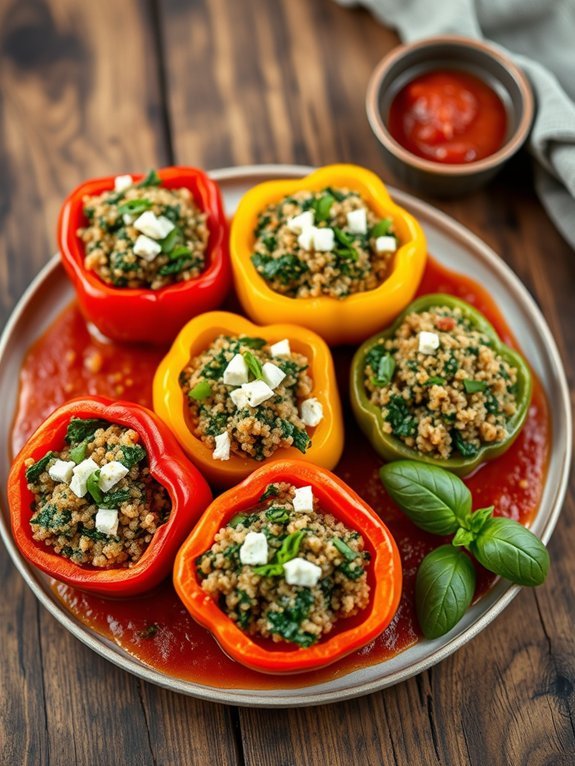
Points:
(439, 386)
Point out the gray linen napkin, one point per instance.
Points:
(540, 36)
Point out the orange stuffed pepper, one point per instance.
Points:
(236, 394)
(331, 251)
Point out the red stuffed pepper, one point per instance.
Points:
(290, 570)
(146, 254)
(101, 497)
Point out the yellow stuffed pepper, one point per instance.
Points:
(236, 394)
(330, 251)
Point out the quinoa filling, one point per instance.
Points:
(309, 570)
(442, 388)
(144, 235)
(249, 398)
(328, 242)
(95, 502)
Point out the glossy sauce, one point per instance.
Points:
(449, 117)
(66, 361)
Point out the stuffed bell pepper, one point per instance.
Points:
(439, 386)
(236, 394)
(101, 497)
(331, 251)
(290, 570)
(145, 254)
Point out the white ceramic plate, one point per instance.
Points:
(453, 246)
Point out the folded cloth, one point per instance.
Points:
(539, 35)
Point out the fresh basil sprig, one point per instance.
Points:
(444, 587)
(438, 502)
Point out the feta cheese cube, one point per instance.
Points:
(428, 342)
(128, 219)
(305, 239)
(273, 376)
(254, 549)
(110, 475)
(236, 372)
(386, 244)
(222, 449)
(357, 221)
(239, 398)
(166, 225)
(301, 222)
(299, 571)
(62, 471)
(281, 348)
(323, 240)
(257, 392)
(146, 248)
(311, 411)
(303, 499)
(107, 521)
(121, 183)
(80, 476)
(152, 226)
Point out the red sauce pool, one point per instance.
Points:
(66, 361)
(449, 117)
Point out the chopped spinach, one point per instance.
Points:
(287, 268)
(256, 343)
(80, 429)
(464, 448)
(277, 515)
(286, 623)
(246, 519)
(350, 570)
(115, 499)
(385, 370)
(34, 471)
(382, 228)
(301, 440)
(398, 415)
(132, 455)
(50, 517)
(344, 549)
(271, 491)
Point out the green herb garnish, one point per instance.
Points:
(132, 455)
(201, 391)
(81, 429)
(474, 386)
(381, 228)
(34, 471)
(254, 365)
(93, 487)
(134, 207)
(288, 551)
(151, 179)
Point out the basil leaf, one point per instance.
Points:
(463, 537)
(115, 498)
(444, 588)
(381, 228)
(201, 391)
(344, 549)
(271, 491)
(479, 518)
(505, 547)
(288, 551)
(93, 487)
(254, 365)
(179, 252)
(134, 207)
(151, 179)
(80, 429)
(322, 207)
(252, 342)
(34, 471)
(433, 498)
(474, 386)
(435, 380)
(277, 515)
(171, 240)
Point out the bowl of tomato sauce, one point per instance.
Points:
(448, 112)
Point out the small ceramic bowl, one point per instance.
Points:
(462, 54)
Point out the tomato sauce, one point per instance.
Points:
(156, 628)
(448, 116)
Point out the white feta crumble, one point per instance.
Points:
(222, 449)
(62, 471)
(303, 499)
(107, 521)
(121, 183)
(281, 348)
(305, 239)
(146, 248)
(110, 475)
(386, 244)
(128, 219)
(258, 392)
(254, 549)
(428, 342)
(236, 372)
(300, 222)
(323, 240)
(239, 398)
(152, 226)
(311, 412)
(80, 476)
(273, 376)
(299, 571)
(357, 221)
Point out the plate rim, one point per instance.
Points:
(501, 594)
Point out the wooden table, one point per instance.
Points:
(97, 88)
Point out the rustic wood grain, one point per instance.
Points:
(91, 89)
